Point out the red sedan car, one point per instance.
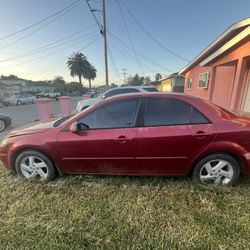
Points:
(136, 134)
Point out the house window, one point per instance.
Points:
(203, 80)
(189, 83)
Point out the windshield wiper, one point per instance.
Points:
(60, 121)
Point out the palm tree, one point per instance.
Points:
(90, 74)
(77, 64)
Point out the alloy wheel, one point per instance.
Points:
(34, 167)
(216, 171)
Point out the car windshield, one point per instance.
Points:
(102, 94)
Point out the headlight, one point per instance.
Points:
(4, 142)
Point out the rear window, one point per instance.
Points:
(168, 111)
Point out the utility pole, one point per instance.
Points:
(124, 73)
(104, 31)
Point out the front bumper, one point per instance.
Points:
(4, 160)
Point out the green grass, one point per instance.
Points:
(86, 212)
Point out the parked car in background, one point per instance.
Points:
(136, 134)
(112, 92)
(3, 102)
(91, 93)
(5, 121)
(53, 95)
(21, 99)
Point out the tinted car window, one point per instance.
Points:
(198, 118)
(121, 91)
(121, 114)
(163, 111)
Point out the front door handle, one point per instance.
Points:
(123, 139)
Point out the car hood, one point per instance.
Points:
(34, 128)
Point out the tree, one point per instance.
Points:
(75, 88)
(77, 64)
(158, 76)
(136, 80)
(113, 85)
(59, 84)
(90, 74)
(147, 80)
(58, 81)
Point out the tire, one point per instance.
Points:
(2, 125)
(35, 165)
(220, 169)
(18, 103)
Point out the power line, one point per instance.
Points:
(122, 51)
(40, 21)
(103, 31)
(130, 39)
(114, 64)
(43, 48)
(93, 41)
(52, 53)
(95, 18)
(87, 45)
(155, 40)
(41, 27)
(140, 54)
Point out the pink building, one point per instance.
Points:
(221, 72)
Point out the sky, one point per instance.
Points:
(183, 27)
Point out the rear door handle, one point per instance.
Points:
(201, 134)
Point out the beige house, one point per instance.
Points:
(7, 90)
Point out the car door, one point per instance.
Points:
(105, 142)
(24, 98)
(173, 133)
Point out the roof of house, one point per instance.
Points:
(233, 35)
(174, 75)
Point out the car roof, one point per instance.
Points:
(151, 94)
(132, 87)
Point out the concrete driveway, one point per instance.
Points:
(25, 114)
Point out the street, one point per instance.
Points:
(25, 114)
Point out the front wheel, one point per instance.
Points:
(220, 169)
(18, 103)
(35, 165)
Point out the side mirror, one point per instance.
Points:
(73, 127)
(83, 126)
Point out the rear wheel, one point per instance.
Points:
(220, 169)
(35, 165)
(18, 103)
(2, 125)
